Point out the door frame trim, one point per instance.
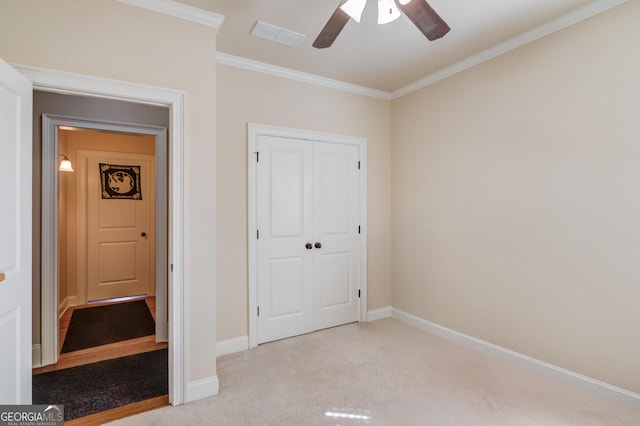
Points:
(78, 84)
(50, 313)
(256, 130)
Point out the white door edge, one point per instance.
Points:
(77, 84)
(16, 96)
(256, 130)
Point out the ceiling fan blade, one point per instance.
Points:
(425, 18)
(332, 28)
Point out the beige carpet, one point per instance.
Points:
(383, 373)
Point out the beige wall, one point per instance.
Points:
(514, 183)
(111, 39)
(516, 203)
(70, 142)
(250, 97)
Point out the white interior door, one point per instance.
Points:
(15, 236)
(308, 246)
(336, 234)
(284, 179)
(119, 233)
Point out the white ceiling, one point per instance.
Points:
(393, 56)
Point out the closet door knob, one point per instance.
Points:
(309, 246)
(318, 245)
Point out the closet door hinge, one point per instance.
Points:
(257, 156)
(172, 267)
(358, 292)
(358, 165)
(358, 229)
(257, 234)
(258, 310)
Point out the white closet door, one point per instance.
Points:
(284, 222)
(308, 247)
(335, 229)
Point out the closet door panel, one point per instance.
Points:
(336, 206)
(284, 218)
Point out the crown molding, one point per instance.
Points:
(565, 21)
(261, 67)
(214, 20)
(180, 10)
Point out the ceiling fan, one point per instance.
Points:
(418, 11)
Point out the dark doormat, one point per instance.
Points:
(101, 386)
(106, 324)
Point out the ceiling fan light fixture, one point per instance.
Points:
(427, 20)
(354, 9)
(387, 11)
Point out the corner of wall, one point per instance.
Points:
(578, 381)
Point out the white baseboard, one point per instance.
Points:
(64, 305)
(232, 346)
(201, 389)
(240, 344)
(587, 384)
(377, 314)
(36, 356)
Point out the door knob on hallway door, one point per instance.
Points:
(309, 246)
(318, 245)
(143, 234)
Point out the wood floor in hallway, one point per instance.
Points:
(103, 353)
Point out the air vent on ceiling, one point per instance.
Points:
(277, 34)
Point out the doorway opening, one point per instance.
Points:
(125, 94)
(75, 135)
(105, 236)
(107, 239)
